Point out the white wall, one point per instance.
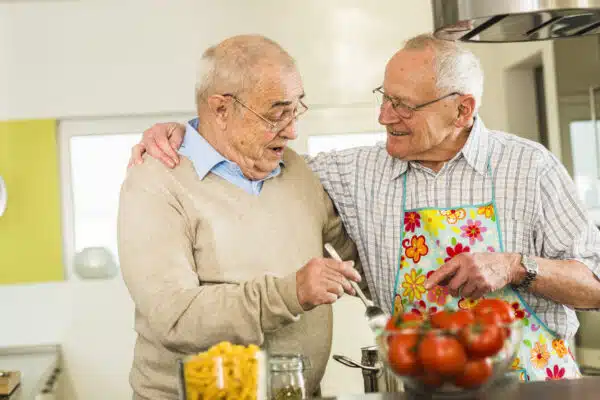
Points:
(110, 57)
(506, 90)
(573, 83)
(76, 59)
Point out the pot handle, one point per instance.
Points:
(348, 362)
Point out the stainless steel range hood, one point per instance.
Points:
(514, 20)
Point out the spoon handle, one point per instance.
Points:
(334, 254)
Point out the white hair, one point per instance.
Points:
(457, 69)
(234, 65)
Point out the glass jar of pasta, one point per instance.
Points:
(225, 371)
(286, 376)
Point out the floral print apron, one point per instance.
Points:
(432, 236)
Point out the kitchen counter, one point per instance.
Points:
(587, 388)
(36, 364)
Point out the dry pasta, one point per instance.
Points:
(225, 371)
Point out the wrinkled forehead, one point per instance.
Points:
(411, 73)
(277, 83)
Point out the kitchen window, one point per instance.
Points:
(94, 156)
(98, 167)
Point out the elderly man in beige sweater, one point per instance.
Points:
(228, 245)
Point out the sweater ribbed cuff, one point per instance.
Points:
(287, 289)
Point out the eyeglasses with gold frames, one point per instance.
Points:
(402, 109)
(278, 125)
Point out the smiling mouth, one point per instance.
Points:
(398, 134)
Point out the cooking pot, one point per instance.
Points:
(376, 377)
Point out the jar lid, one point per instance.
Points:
(288, 362)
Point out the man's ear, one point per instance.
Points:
(221, 107)
(466, 111)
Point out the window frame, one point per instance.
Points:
(69, 128)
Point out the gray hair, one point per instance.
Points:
(457, 69)
(234, 65)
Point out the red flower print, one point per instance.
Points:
(555, 373)
(412, 220)
(437, 294)
(415, 248)
(473, 231)
(459, 248)
(420, 308)
(519, 312)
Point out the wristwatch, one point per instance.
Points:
(531, 272)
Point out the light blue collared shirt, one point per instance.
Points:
(206, 159)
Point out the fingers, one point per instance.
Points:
(157, 149)
(460, 279)
(136, 155)
(345, 268)
(335, 287)
(323, 281)
(341, 280)
(442, 273)
(466, 275)
(468, 289)
(164, 142)
(158, 142)
(176, 137)
(479, 293)
(329, 298)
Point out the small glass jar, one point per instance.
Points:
(287, 376)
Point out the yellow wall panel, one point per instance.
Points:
(30, 229)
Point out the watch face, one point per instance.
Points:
(532, 265)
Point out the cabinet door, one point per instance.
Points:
(30, 228)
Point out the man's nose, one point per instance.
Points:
(387, 115)
(289, 132)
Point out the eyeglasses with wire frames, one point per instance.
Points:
(278, 125)
(404, 110)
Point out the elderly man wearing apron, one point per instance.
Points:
(448, 211)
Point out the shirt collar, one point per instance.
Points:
(475, 151)
(203, 155)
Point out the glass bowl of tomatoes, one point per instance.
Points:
(452, 353)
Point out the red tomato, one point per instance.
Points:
(430, 379)
(404, 321)
(402, 353)
(482, 340)
(476, 373)
(490, 318)
(442, 354)
(452, 320)
(498, 307)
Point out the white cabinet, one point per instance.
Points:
(586, 156)
(585, 149)
(40, 371)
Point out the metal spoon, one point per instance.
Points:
(376, 317)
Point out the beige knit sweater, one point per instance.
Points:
(205, 262)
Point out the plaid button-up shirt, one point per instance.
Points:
(537, 206)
